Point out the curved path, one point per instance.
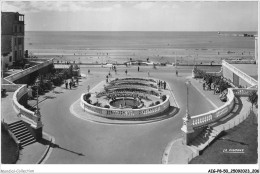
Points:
(81, 141)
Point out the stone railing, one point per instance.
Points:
(243, 92)
(214, 115)
(26, 115)
(27, 71)
(10, 87)
(124, 113)
(241, 74)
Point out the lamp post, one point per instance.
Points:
(187, 108)
(37, 95)
(187, 127)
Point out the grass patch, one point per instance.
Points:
(244, 136)
(9, 150)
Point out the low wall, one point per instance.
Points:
(11, 87)
(124, 113)
(27, 71)
(213, 116)
(26, 115)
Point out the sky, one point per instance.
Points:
(136, 15)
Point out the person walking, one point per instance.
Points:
(138, 68)
(177, 73)
(66, 84)
(204, 85)
(88, 88)
(164, 85)
(126, 72)
(77, 80)
(70, 84)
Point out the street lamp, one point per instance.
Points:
(187, 108)
(37, 95)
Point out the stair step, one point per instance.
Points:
(21, 133)
(15, 124)
(17, 128)
(29, 136)
(27, 140)
(28, 143)
(20, 130)
(20, 136)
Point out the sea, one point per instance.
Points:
(122, 46)
(87, 40)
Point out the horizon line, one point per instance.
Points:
(140, 31)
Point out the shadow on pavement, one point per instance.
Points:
(53, 145)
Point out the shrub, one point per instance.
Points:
(157, 102)
(88, 101)
(88, 95)
(163, 97)
(106, 106)
(152, 104)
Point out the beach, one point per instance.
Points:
(158, 47)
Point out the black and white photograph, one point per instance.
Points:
(129, 86)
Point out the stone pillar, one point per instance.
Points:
(38, 129)
(187, 129)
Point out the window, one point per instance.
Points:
(15, 55)
(19, 41)
(21, 18)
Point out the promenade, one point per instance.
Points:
(80, 141)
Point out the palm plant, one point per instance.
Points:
(252, 98)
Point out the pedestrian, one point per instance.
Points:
(30, 95)
(88, 71)
(126, 72)
(70, 84)
(138, 68)
(77, 80)
(164, 85)
(66, 84)
(88, 88)
(177, 73)
(204, 85)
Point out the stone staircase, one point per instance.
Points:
(214, 129)
(204, 139)
(22, 133)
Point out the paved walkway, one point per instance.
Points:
(178, 153)
(103, 144)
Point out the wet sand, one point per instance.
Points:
(160, 55)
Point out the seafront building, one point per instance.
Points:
(12, 39)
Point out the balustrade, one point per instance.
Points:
(21, 110)
(125, 113)
(212, 116)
